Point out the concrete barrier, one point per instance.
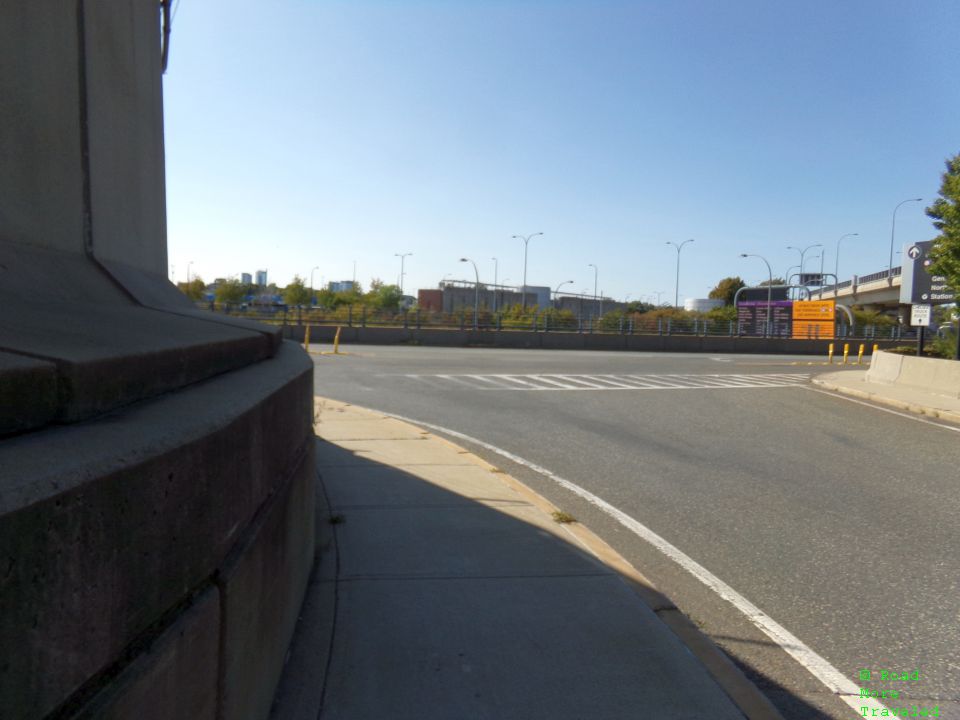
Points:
(553, 340)
(940, 377)
(885, 367)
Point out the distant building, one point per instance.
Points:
(246, 278)
(341, 286)
(261, 278)
(430, 300)
(702, 304)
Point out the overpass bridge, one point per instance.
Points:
(876, 291)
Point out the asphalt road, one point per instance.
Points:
(838, 520)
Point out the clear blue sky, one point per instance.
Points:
(318, 133)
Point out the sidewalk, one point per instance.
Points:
(855, 384)
(445, 590)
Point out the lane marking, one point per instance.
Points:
(816, 665)
(553, 381)
(908, 416)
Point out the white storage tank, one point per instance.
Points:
(702, 304)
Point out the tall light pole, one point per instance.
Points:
(401, 256)
(313, 300)
(893, 229)
(676, 287)
(565, 282)
(476, 293)
(526, 241)
(594, 286)
(822, 253)
(767, 328)
(836, 263)
(495, 264)
(802, 254)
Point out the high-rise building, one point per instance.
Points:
(261, 278)
(246, 278)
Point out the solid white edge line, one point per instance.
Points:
(816, 665)
(840, 396)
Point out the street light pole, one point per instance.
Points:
(523, 290)
(495, 265)
(676, 287)
(766, 330)
(836, 264)
(594, 287)
(565, 282)
(893, 229)
(313, 300)
(401, 256)
(476, 293)
(803, 254)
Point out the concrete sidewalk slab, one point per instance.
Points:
(855, 384)
(446, 590)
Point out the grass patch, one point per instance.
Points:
(563, 518)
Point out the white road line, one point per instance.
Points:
(487, 379)
(610, 382)
(457, 379)
(908, 416)
(544, 378)
(524, 383)
(576, 379)
(817, 665)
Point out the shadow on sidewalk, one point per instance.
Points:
(438, 597)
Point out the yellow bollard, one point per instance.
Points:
(875, 348)
(336, 342)
(830, 354)
(846, 352)
(860, 354)
(306, 339)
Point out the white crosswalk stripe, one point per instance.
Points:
(555, 382)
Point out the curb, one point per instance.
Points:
(947, 415)
(741, 690)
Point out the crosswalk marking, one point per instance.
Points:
(556, 382)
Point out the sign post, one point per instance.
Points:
(920, 317)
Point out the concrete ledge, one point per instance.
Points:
(115, 521)
(107, 350)
(28, 393)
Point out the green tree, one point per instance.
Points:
(384, 297)
(231, 291)
(296, 293)
(945, 213)
(194, 289)
(726, 289)
(776, 281)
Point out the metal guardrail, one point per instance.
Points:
(613, 324)
(863, 279)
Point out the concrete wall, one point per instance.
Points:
(570, 341)
(156, 462)
(171, 541)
